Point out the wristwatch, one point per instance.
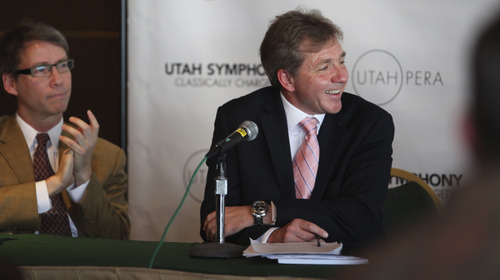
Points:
(259, 211)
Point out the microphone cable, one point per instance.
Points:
(175, 213)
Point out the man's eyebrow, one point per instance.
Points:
(330, 60)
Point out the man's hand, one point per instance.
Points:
(64, 175)
(297, 230)
(236, 219)
(85, 138)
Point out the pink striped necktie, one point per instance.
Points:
(305, 163)
(55, 221)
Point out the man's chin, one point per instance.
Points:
(59, 110)
(334, 109)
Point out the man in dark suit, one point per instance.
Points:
(86, 173)
(304, 61)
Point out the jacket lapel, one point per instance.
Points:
(328, 137)
(17, 156)
(275, 132)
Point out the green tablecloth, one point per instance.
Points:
(47, 250)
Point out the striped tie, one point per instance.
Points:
(55, 221)
(305, 163)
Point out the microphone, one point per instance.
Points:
(247, 131)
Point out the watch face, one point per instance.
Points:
(259, 210)
(259, 207)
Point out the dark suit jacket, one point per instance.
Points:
(353, 172)
(101, 213)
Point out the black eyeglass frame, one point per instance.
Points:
(29, 71)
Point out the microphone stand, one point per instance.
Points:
(219, 249)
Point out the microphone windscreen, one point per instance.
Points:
(251, 128)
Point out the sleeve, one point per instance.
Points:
(222, 128)
(102, 212)
(18, 207)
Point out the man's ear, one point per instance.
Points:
(286, 80)
(9, 83)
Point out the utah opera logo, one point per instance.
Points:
(377, 76)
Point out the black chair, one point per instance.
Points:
(407, 203)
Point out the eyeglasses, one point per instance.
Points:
(46, 70)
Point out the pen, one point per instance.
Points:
(317, 240)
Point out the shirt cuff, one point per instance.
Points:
(42, 197)
(263, 238)
(76, 193)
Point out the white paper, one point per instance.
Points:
(331, 260)
(295, 247)
(302, 253)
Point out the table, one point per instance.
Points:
(56, 257)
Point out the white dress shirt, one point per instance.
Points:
(42, 194)
(296, 135)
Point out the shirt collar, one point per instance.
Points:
(30, 133)
(295, 115)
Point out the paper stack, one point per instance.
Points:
(302, 253)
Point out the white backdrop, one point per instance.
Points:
(186, 58)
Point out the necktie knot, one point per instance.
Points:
(310, 125)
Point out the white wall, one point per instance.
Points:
(411, 57)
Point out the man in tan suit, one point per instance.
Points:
(89, 171)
